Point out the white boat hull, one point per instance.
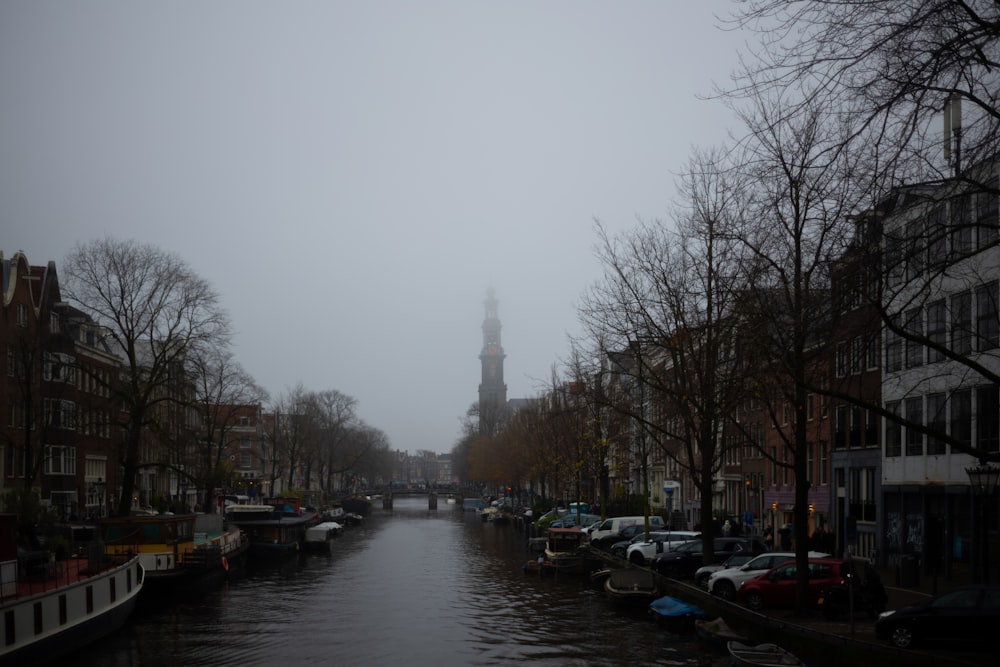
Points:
(71, 615)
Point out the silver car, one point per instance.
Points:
(725, 583)
(641, 553)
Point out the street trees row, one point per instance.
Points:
(181, 391)
(840, 108)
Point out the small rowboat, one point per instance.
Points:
(761, 655)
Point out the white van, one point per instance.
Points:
(613, 525)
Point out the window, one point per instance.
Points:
(937, 329)
(937, 237)
(244, 421)
(872, 347)
(915, 249)
(841, 360)
(988, 418)
(894, 257)
(840, 426)
(54, 323)
(961, 416)
(987, 207)
(961, 323)
(58, 368)
(856, 426)
(893, 349)
(22, 315)
(914, 327)
(60, 414)
(857, 355)
(871, 428)
(823, 464)
(961, 229)
(914, 438)
(60, 460)
(244, 443)
(936, 419)
(987, 323)
(245, 460)
(809, 406)
(893, 431)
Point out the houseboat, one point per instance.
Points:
(319, 537)
(567, 551)
(275, 529)
(176, 548)
(63, 605)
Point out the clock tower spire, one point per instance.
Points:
(492, 390)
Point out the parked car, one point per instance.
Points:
(682, 561)
(570, 521)
(777, 587)
(967, 614)
(620, 549)
(605, 542)
(735, 559)
(862, 592)
(641, 553)
(725, 583)
(614, 525)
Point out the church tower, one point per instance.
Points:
(492, 390)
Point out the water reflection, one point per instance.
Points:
(411, 586)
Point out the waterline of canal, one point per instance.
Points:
(411, 586)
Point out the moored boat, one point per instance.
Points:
(274, 531)
(175, 548)
(632, 586)
(716, 631)
(356, 505)
(71, 604)
(676, 615)
(761, 655)
(318, 537)
(566, 549)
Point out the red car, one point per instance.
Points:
(776, 587)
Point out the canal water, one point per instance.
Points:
(411, 586)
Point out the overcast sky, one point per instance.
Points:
(352, 177)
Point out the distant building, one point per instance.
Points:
(492, 389)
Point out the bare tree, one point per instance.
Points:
(894, 64)
(157, 313)
(803, 178)
(666, 308)
(224, 392)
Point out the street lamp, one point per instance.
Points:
(983, 479)
(98, 490)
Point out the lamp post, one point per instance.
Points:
(983, 479)
(99, 492)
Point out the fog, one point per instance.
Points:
(352, 177)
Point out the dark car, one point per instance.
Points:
(684, 560)
(967, 614)
(624, 535)
(860, 592)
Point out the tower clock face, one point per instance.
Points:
(492, 348)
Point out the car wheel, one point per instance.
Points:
(637, 558)
(725, 589)
(901, 636)
(754, 600)
(619, 552)
(702, 581)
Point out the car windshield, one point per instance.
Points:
(737, 559)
